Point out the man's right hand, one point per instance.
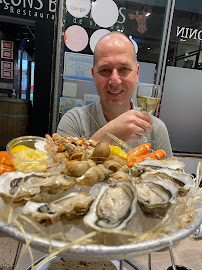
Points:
(129, 126)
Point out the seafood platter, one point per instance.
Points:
(94, 201)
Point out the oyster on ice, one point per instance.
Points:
(184, 180)
(156, 196)
(19, 186)
(69, 207)
(113, 207)
(151, 164)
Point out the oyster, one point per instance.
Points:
(19, 186)
(184, 180)
(151, 164)
(155, 197)
(71, 206)
(113, 207)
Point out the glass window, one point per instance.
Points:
(142, 21)
(181, 101)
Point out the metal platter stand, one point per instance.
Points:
(102, 252)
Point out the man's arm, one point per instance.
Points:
(129, 126)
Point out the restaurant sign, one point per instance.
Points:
(186, 32)
(32, 9)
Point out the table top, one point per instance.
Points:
(188, 253)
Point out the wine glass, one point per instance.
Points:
(148, 97)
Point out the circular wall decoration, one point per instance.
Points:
(78, 8)
(76, 38)
(104, 13)
(96, 36)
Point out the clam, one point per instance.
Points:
(155, 197)
(69, 207)
(101, 152)
(113, 207)
(20, 186)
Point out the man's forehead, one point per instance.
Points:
(111, 63)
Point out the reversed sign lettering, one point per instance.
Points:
(78, 66)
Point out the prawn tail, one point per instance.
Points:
(158, 154)
(139, 150)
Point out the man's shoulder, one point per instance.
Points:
(157, 121)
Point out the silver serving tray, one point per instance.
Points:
(102, 252)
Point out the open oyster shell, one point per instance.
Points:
(19, 186)
(156, 196)
(71, 206)
(113, 207)
(151, 164)
(184, 180)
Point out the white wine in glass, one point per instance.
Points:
(148, 97)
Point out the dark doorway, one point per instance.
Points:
(22, 34)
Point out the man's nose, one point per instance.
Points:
(115, 78)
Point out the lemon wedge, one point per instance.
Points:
(19, 148)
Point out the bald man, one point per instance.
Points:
(115, 72)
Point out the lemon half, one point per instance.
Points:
(19, 148)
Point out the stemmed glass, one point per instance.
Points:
(148, 97)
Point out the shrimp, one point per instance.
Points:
(5, 158)
(139, 150)
(158, 154)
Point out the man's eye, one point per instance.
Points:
(105, 72)
(124, 71)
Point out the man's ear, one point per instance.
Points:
(92, 72)
(138, 73)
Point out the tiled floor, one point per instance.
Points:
(8, 249)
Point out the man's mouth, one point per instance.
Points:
(115, 92)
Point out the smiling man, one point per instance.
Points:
(115, 72)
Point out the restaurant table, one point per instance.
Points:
(187, 252)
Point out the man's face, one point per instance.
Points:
(115, 72)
